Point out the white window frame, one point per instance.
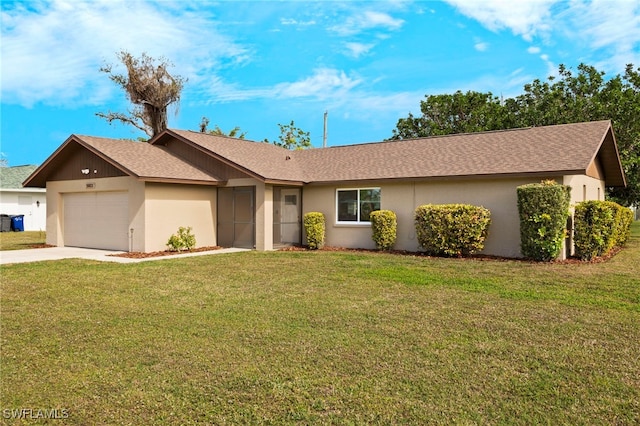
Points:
(357, 221)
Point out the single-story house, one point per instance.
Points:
(126, 195)
(18, 200)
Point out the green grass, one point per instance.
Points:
(21, 240)
(324, 337)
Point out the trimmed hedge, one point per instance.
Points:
(314, 228)
(384, 225)
(599, 227)
(543, 209)
(452, 229)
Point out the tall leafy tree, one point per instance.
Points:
(456, 113)
(585, 95)
(292, 137)
(149, 87)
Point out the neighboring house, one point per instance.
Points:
(125, 195)
(17, 200)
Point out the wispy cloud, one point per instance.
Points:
(367, 20)
(609, 25)
(323, 84)
(523, 17)
(51, 52)
(481, 46)
(613, 26)
(296, 23)
(355, 50)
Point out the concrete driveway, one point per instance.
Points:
(58, 253)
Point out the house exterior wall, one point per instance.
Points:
(170, 206)
(497, 195)
(55, 204)
(30, 202)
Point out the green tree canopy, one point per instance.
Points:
(236, 132)
(585, 95)
(291, 137)
(149, 87)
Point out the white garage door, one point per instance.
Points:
(97, 220)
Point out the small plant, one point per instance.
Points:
(384, 228)
(183, 240)
(314, 227)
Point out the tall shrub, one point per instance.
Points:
(314, 228)
(384, 226)
(452, 229)
(543, 209)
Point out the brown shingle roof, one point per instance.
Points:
(551, 150)
(144, 160)
(137, 159)
(265, 160)
(562, 148)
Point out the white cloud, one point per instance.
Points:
(533, 50)
(356, 50)
(613, 26)
(323, 84)
(523, 17)
(367, 20)
(294, 22)
(481, 46)
(51, 52)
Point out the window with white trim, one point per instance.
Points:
(355, 205)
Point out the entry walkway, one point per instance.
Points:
(58, 253)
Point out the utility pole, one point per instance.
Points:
(324, 133)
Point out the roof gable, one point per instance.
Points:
(137, 159)
(263, 161)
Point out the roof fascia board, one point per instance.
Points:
(497, 176)
(184, 181)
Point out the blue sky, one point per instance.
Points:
(257, 64)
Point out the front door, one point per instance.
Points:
(287, 210)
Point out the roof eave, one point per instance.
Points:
(179, 181)
(541, 174)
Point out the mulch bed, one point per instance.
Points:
(139, 255)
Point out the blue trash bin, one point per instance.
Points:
(17, 222)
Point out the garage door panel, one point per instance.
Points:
(96, 220)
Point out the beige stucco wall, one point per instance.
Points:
(55, 205)
(498, 195)
(170, 206)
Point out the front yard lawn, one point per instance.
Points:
(21, 240)
(323, 337)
